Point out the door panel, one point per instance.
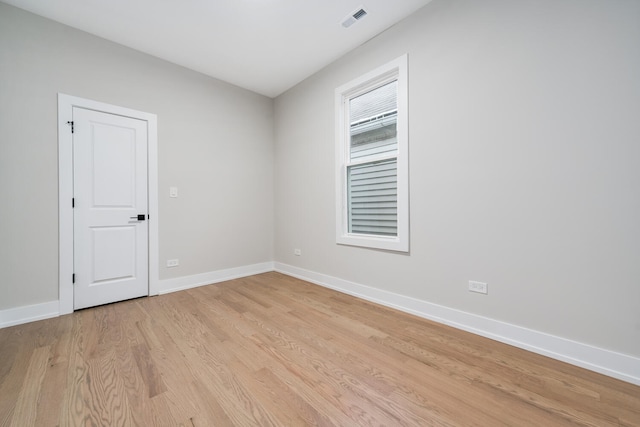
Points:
(113, 251)
(110, 190)
(114, 149)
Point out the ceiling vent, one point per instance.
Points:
(352, 18)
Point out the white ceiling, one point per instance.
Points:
(266, 46)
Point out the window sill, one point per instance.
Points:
(374, 242)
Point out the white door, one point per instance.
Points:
(110, 208)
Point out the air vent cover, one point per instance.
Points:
(353, 17)
(359, 14)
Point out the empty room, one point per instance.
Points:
(335, 213)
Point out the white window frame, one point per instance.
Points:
(394, 70)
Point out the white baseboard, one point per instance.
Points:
(29, 313)
(187, 282)
(610, 363)
(613, 364)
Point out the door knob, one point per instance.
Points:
(140, 217)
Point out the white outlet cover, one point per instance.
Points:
(173, 191)
(479, 287)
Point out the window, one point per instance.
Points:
(372, 194)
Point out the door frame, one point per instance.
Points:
(65, 191)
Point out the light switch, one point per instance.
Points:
(173, 191)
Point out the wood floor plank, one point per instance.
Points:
(178, 373)
(383, 370)
(274, 350)
(51, 397)
(148, 369)
(12, 385)
(107, 401)
(347, 390)
(72, 411)
(212, 412)
(27, 403)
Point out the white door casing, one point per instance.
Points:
(110, 194)
(113, 270)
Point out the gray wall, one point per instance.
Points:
(524, 165)
(215, 142)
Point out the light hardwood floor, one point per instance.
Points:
(274, 350)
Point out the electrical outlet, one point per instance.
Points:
(173, 263)
(297, 252)
(173, 191)
(479, 287)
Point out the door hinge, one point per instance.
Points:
(73, 202)
(73, 278)
(70, 123)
